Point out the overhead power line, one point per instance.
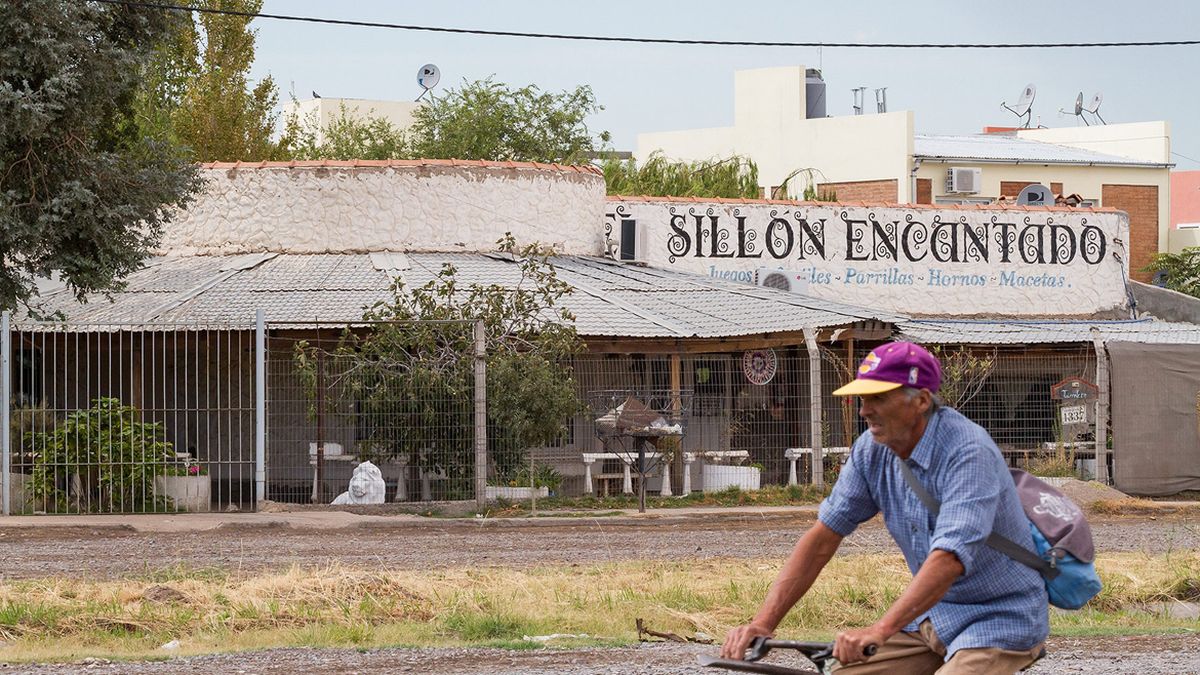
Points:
(656, 41)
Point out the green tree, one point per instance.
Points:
(346, 136)
(198, 89)
(411, 377)
(1182, 270)
(492, 121)
(733, 177)
(83, 192)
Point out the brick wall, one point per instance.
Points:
(1012, 188)
(879, 191)
(1141, 203)
(924, 191)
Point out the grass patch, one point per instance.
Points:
(771, 495)
(67, 619)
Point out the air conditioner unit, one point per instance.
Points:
(783, 280)
(963, 180)
(633, 241)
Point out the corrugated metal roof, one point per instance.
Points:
(1012, 149)
(1046, 332)
(609, 299)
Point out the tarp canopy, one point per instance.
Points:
(1155, 413)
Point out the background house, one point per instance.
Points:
(780, 123)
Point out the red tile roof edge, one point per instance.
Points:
(894, 205)
(403, 163)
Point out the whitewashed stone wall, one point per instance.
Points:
(913, 260)
(325, 209)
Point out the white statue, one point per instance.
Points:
(366, 486)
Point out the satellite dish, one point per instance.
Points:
(1093, 106)
(428, 76)
(1078, 109)
(1024, 103)
(1035, 195)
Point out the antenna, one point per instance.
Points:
(881, 100)
(1093, 105)
(1078, 109)
(1023, 104)
(428, 77)
(859, 92)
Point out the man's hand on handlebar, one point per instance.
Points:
(738, 640)
(856, 645)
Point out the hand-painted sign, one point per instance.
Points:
(1074, 389)
(919, 260)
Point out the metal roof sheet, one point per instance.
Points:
(1013, 149)
(1047, 332)
(609, 298)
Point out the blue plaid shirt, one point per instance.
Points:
(998, 602)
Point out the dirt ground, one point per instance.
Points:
(112, 552)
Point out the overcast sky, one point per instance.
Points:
(660, 87)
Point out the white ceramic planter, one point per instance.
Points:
(717, 477)
(187, 493)
(515, 493)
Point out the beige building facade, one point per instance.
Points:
(879, 158)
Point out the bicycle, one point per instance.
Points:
(820, 653)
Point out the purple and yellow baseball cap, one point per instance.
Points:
(895, 365)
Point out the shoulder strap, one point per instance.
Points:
(997, 542)
(918, 489)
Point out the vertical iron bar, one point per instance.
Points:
(5, 402)
(480, 416)
(260, 409)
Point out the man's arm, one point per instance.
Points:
(806, 561)
(933, 580)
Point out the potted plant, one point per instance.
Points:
(718, 477)
(544, 482)
(187, 485)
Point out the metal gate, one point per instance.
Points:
(118, 418)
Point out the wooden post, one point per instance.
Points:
(848, 401)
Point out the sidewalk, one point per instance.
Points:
(337, 520)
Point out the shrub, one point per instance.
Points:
(102, 458)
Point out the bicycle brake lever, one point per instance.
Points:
(758, 649)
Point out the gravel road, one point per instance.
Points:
(422, 544)
(1160, 655)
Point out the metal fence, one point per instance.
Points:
(338, 396)
(124, 418)
(750, 423)
(120, 418)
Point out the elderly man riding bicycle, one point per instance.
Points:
(969, 608)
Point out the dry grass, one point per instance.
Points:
(71, 618)
(1136, 506)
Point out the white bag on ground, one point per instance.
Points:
(366, 486)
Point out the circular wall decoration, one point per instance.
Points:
(760, 365)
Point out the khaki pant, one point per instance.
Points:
(922, 653)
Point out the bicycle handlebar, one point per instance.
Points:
(815, 651)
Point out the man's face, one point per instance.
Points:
(894, 418)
